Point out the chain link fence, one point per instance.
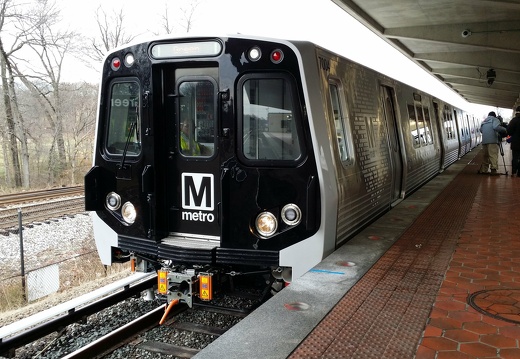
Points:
(48, 257)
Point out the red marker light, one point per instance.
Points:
(115, 64)
(277, 56)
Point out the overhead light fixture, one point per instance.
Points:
(491, 76)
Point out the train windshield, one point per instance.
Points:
(269, 121)
(123, 120)
(197, 118)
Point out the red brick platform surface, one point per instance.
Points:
(449, 288)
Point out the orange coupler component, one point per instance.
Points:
(205, 286)
(162, 282)
(167, 310)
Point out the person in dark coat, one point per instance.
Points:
(513, 130)
(490, 129)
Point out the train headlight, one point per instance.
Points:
(291, 214)
(128, 212)
(254, 54)
(129, 59)
(266, 224)
(113, 201)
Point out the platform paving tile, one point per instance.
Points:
(456, 255)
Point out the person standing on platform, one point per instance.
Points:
(513, 130)
(491, 130)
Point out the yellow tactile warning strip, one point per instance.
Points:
(424, 298)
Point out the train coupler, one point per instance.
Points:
(185, 285)
(177, 285)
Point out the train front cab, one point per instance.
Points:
(212, 153)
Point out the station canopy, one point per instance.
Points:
(473, 46)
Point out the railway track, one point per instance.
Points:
(145, 337)
(39, 206)
(182, 333)
(41, 195)
(38, 326)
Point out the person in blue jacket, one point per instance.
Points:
(491, 135)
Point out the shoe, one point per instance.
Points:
(494, 173)
(483, 173)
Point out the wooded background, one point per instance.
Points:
(46, 124)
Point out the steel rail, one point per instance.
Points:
(69, 314)
(123, 335)
(40, 212)
(22, 197)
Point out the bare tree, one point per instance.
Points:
(165, 25)
(188, 15)
(80, 127)
(10, 136)
(185, 18)
(43, 77)
(16, 132)
(112, 34)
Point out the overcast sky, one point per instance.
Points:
(320, 21)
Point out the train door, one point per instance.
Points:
(390, 118)
(193, 189)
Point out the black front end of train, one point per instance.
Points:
(204, 165)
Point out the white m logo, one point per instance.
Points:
(197, 191)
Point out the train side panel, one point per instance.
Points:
(361, 152)
(422, 142)
(447, 133)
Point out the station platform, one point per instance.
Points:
(437, 277)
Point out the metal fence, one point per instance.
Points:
(68, 261)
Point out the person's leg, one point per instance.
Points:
(484, 168)
(493, 157)
(515, 163)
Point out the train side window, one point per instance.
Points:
(420, 125)
(452, 125)
(270, 120)
(339, 122)
(124, 125)
(414, 129)
(461, 127)
(427, 125)
(448, 124)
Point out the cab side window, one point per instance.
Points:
(124, 125)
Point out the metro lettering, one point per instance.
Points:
(198, 216)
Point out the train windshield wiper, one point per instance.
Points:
(133, 126)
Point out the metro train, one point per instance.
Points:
(223, 156)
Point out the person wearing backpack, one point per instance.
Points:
(491, 134)
(513, 130)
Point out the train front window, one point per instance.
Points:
(197, 118)
(123, 127)
(269, 120)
